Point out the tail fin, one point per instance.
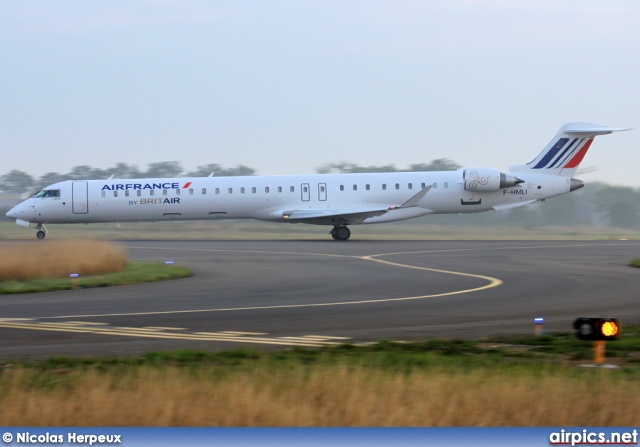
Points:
(565, 151)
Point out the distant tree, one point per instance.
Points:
(237, 171)
(439, 164)
(84, 172)
(564, 210)
(344, 167)
(219, 171)
(164, 169)
(48, 179)
(16, 181)
(123, 170)
(619, 204)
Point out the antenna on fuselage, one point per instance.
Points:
(211, 175)
(110, 177)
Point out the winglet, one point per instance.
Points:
(415, 200)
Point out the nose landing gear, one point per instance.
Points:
(340, 233)
(41, 234)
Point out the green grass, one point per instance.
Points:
(136, 272)
(635, 263)
(510, 353)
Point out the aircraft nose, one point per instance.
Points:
(17, 212)
(13, 212)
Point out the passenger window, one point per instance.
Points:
(266, 189)
(217, 190)
(410, 186)
(253, 190)
(164, 192)
(241, 190)
(139, 192)
(341, 187)
(446, 184)
(115, 193)
(367, 187)
(126, 193)
(204, 191)
(355, 187)
(177, 192)
(423, 186)
(292, 189)
(397, 185)
(384, 186)
(190, 191)
(435, 185)
(151, 192)
(279, 188)
(103, 194)
(230, 190)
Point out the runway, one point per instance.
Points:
(274, 294)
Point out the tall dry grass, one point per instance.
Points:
(58, 259)
(318, 396)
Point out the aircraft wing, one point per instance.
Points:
(349, 216)
(512, 205)
(335, 217)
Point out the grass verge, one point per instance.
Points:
(134, 273)
(508, 381)
(635, 263)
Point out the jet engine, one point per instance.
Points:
(488, 179)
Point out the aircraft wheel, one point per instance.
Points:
(342, 233)
(40, 234)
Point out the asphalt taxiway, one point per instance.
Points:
(276, 294)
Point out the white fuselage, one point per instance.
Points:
(270, 197)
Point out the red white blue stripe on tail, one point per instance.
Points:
(565, 151)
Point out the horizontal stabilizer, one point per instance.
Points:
(590, 130)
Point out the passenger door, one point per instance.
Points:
(79, 198)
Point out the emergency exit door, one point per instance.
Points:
(80, 198)
(322, 191)
(306, 192)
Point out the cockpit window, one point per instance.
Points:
(48, 193)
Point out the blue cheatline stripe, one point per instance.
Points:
(552, 165)
(551, 153)
(570, 154)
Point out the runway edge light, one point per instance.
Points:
(537, 326)
(74, 280)
(597, 329)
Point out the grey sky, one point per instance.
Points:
(286, 86)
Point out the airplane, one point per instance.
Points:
(336, 200)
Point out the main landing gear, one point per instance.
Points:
(42, 231)
(340, 233)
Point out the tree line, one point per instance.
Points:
(17, 181)
(597, 204)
